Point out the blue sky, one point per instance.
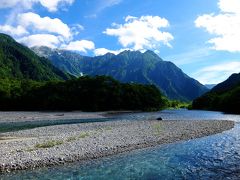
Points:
(202, 37)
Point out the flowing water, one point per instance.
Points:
(212, 157)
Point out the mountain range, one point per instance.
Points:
(129, 66)
(19, 62)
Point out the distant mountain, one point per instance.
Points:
(129, 66)
(223, 97)
(210, 86)
(67, 61)
(18, 61)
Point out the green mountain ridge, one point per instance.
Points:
(19, 62)
(129, 66)
(223, 97)
(230, 83)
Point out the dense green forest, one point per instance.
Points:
(224, 97)
(86, 93)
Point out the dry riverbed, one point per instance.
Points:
(54, 145)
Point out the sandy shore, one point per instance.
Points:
(54, 145)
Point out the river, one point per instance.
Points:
(212, 157)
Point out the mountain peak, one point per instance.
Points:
(129, 52)
(152, 54)
(149, 52)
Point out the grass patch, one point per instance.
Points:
(108, 128)
(83, 135)
(30, 149)
(73, 138)
(157, 129)
(49, 144)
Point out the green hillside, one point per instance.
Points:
(18, 61)
(223, 97)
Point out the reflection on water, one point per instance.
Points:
(15, 126)
(213, 157)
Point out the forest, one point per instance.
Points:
(85, 93)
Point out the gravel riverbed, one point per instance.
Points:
(55, 145)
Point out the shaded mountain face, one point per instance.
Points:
(232, 81)
(129, 66)
(223, 97)
(18, 61)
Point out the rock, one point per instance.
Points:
(159, 119)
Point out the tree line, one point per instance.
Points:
(98, 93)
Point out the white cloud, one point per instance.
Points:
(45, 24)
(102, 5)
(13, 3)
(103, 51)
(33, 30)
(76, 28)
(13, 31)
(41, 40)
(217, 73)
(51, 5)
(230, 6)
(81, 46)
(141, 33)
(107, 3)
(224, 26)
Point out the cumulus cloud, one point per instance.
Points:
(230, 6)
(13, 31)
(81, 46)
(224, 26)
(141, 33)
(217, 73)
(51, 5)
(33, 30)
(48, 40)
(45, 24)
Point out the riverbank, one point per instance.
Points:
(54, 145)
(22, 116)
